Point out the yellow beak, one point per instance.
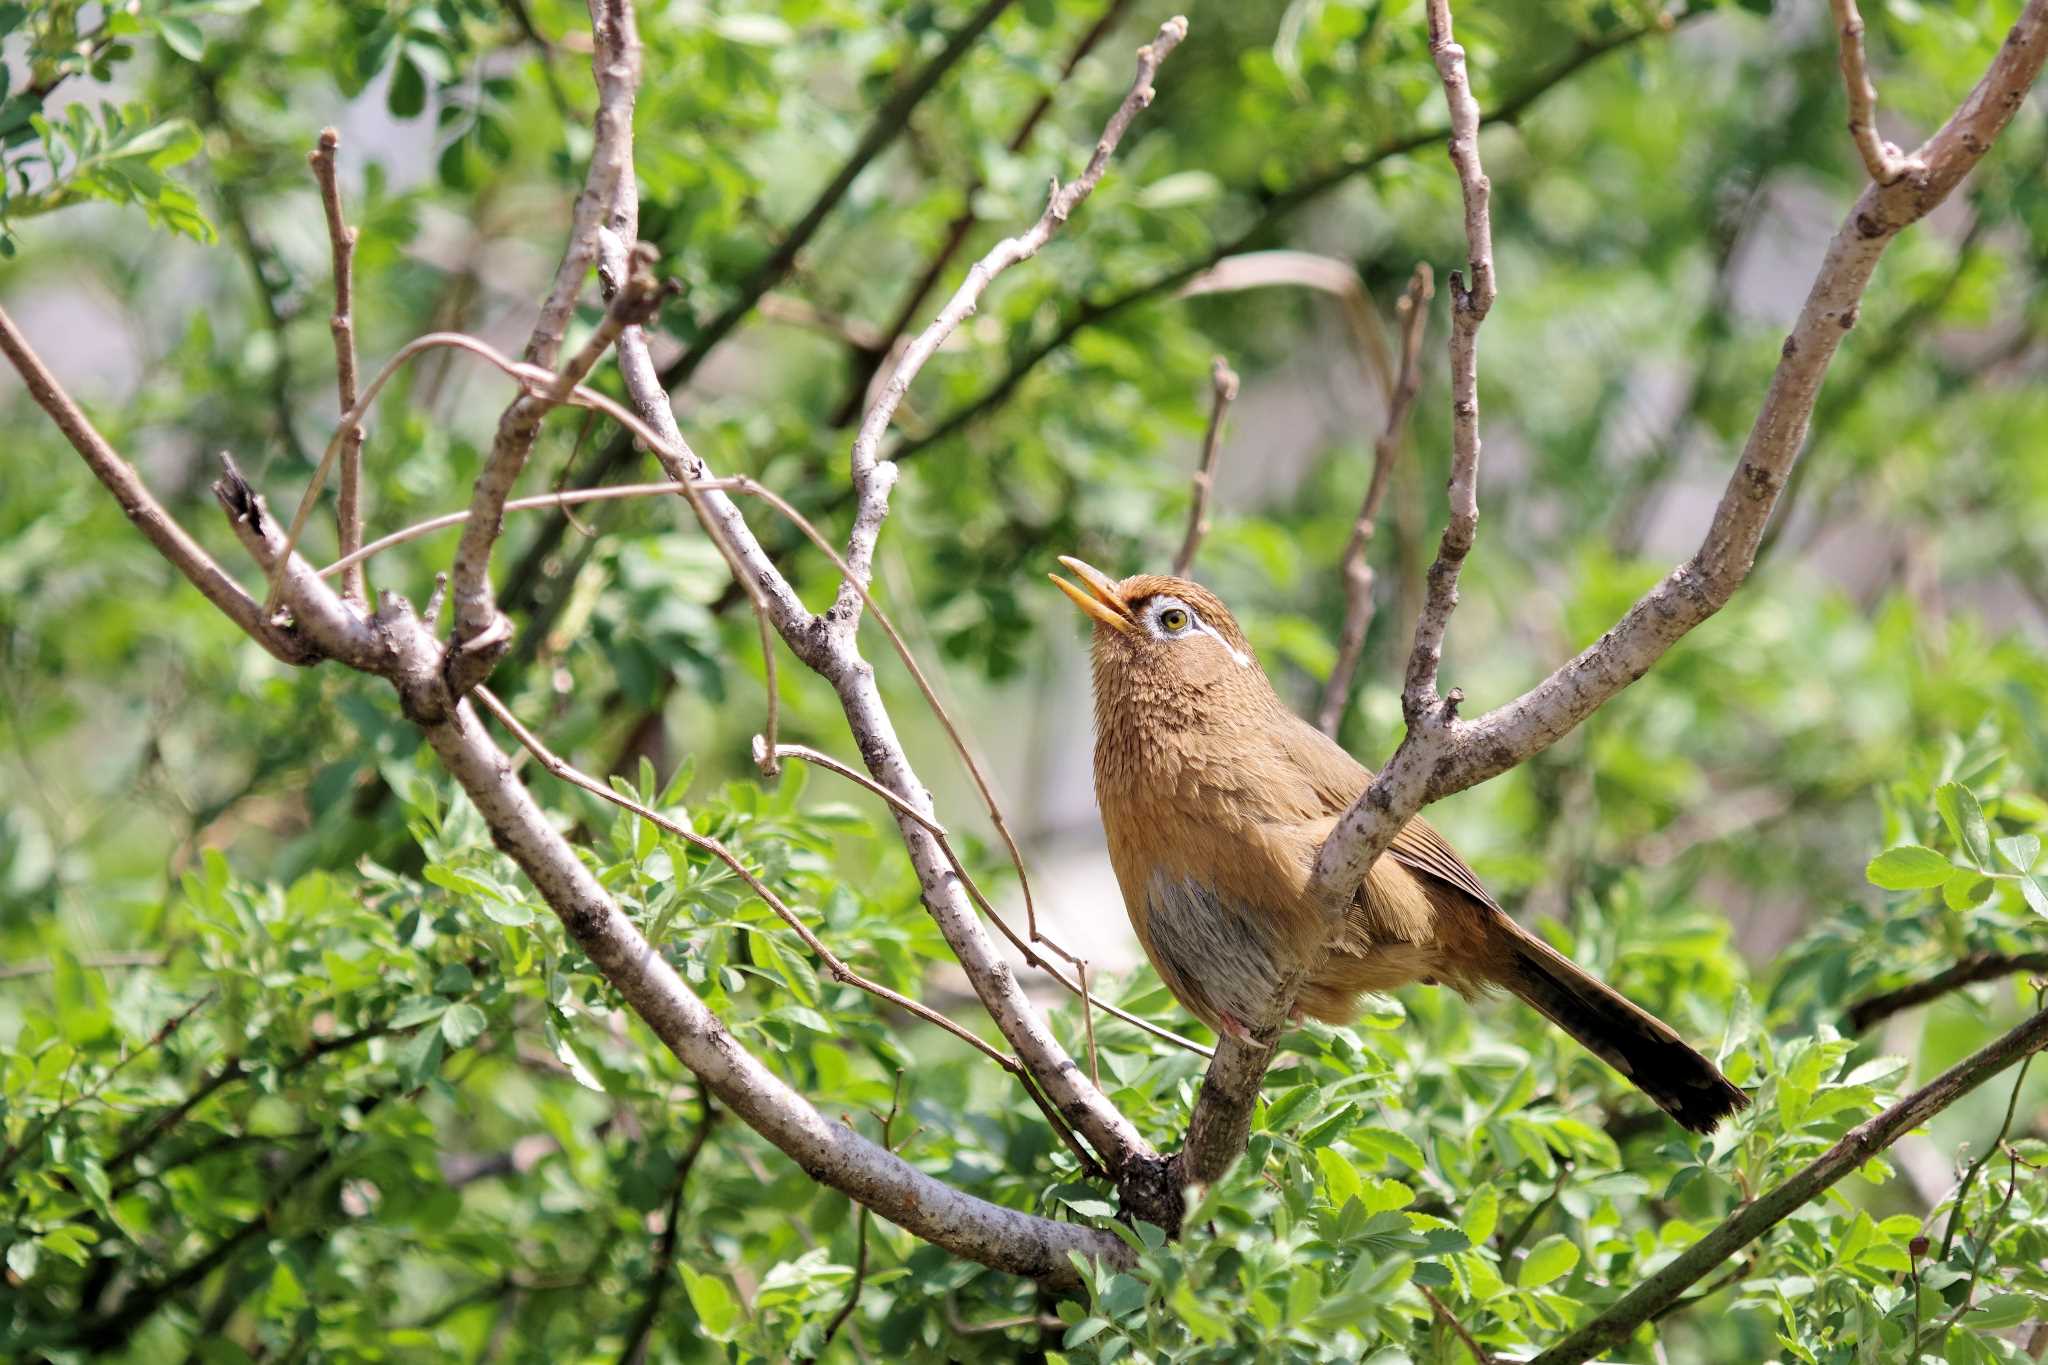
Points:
(1100, 600)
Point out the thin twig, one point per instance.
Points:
(1296, 269)
(840, 972)
(860, 1255)
(1975, 968)
(341, 239)
(1511, 1242)
(663, 1270)
(1471, 298)
(1412, 313)
(567, 498)
(1480, 1355)
(877, 350)
(763, 753)
(1222, 392)
(1885, 162)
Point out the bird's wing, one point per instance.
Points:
(1339, 779)
(1419, 847)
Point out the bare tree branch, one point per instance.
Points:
(872, 476)
(1884, 161)
(1222, 392)
(888, 122)
(1875, 1009)
(878, 350)
(1413, 315)
(341, 238)
(185, 554)
(1470, 302)
(1616, 1323)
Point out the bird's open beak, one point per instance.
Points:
(1100, 600)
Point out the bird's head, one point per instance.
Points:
(1155, 633)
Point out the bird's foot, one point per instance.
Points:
(1229, 1027)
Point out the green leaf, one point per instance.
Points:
(1340, 1177)
(718, 1312)
(566, 1055)
(1909, 867)
(1964, 888)
(1481, 1215)
(1086, 1331)
(462, 1024)
(2020, 850)
(182, 36)
(1555, 1255)
(22, 1259)
(1965, 821)
(407, 97)
(1385, 1142)
(512, 914)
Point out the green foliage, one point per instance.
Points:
(119, 154)
(363, 1102)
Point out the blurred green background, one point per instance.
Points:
(183, 821)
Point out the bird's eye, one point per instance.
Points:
(1174, 619)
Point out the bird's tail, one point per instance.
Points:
(1633, 1041)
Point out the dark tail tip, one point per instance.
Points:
(1628, 1038)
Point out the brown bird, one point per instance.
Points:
(1216, 799)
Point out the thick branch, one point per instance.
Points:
(1618, 1322)
(185, 554)
(1413, 315)
(1222, 392)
